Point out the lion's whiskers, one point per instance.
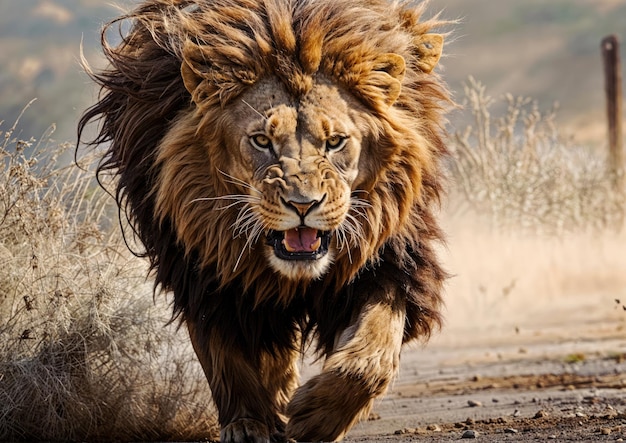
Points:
(351, 231)
(239, 258)
(253, 229)
(342, 241)
(238, 199)
(247, 223)
(359, 203)
(237, 181)
(360, 191)
(360, 207)
(252, 107)
(247, 217)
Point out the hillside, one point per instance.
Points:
(39, 54)
(547, 50)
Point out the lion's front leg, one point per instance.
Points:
(363, 363)
(249, 391)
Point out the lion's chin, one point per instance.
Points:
(299, 270)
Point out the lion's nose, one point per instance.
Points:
(303, 208)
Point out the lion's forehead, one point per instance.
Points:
(281, 121)
(322, 112)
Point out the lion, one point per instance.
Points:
(280, 161)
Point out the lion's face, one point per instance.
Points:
(302, 157)
(299, 160)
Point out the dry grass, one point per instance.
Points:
(84, 351)
(523, 175)
(535, 225)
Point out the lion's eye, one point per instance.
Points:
(261, 142)
(335, 142)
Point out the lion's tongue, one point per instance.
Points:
(302, 240)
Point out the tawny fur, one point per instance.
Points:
(188, 86)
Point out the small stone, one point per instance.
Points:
(510, 431)
(541, 414)
(474, 403)
(469, 421)
(581, 414)
(605, 431)
(404, 431)
(516, 413)
(552, 437)
(433, 428)
(373, 416)
(470, 433)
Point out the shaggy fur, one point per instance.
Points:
(349, 115)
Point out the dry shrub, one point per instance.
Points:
(84, 351)
(519, 171)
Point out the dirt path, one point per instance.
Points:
(549, 389)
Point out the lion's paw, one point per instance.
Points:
(245, 430)
(326, 407)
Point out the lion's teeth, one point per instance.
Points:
(287, 247)
(315, 246)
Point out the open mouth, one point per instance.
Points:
(302, 243)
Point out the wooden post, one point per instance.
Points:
(613, 87)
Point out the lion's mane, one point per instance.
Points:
(143, 95)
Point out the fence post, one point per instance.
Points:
(613, 88)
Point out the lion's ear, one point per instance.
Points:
(392, 64)
(429, 48)
(210, 76)
(191, 79)
(386, 76)
(191, 75)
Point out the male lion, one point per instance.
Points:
(279, 161)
